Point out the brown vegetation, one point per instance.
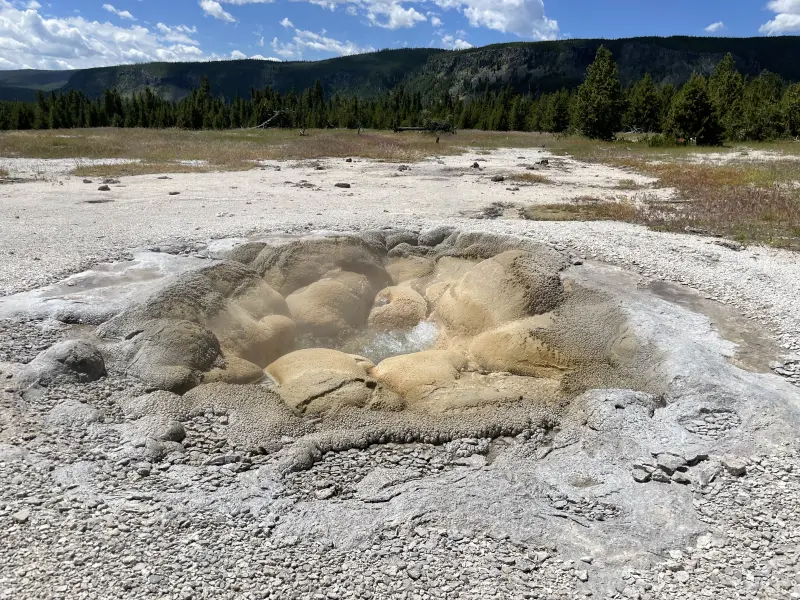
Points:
(752, 201)
(241, 149)
(529, 178)
(580, 209)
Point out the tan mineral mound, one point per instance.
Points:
(356, 323)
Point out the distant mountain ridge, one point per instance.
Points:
(534, 67)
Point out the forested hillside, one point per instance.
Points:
(527, 68)
(704, 110)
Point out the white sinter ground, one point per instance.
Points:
(80, 522)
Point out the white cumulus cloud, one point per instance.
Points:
(286, 22)
(714, 27)
(237, 55)
(453, 43)
(524, 18)
(122, 14)
(786, 20)
(303, 41)
(393, 15)
(179, 34)
(214, 9)
(261, 57)
(29, 40)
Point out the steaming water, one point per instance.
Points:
(394, 343)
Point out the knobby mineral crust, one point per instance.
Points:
(515, 340)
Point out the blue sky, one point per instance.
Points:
(68, 34)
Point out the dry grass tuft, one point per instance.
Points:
(746, 214)
(235, 148)
(628, 185)
(4, 173)
(159, 150)
(529, 178)
(583, 209)
(757, 201)
(136, 168)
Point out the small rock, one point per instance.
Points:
(669, 463)
(730, 245)
(325, 493)
(640, 475)
(342, 185)
(498, 178)
(174, 193)
(681, 478)
(707, 475)
(582, 575)
(164, 177)
(21, 516)
(660, 476)
(104, 188)
(695, 458)
(349, 160)
(475, 166)
(682, 576)
(87, 181)
(696, 230)
(222, 459)
(587, 559)
(403, 168)
(173, 432)
(734, 465)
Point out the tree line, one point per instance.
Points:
(704, 110)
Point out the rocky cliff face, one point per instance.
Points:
(549, 66)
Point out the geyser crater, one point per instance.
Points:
(377, 336)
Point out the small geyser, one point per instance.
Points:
(376, 337)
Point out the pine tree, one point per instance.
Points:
(599, 105)
(556, 112)
(725, 90)
(761, 109)
(665, 97)
(791, 109)
(693, 115)
(643, 106)
(41, 119)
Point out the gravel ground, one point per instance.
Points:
(85, 517)
(80, 522)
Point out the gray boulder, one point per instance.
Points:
(72, 413)
(434, 237)
(71, 360)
